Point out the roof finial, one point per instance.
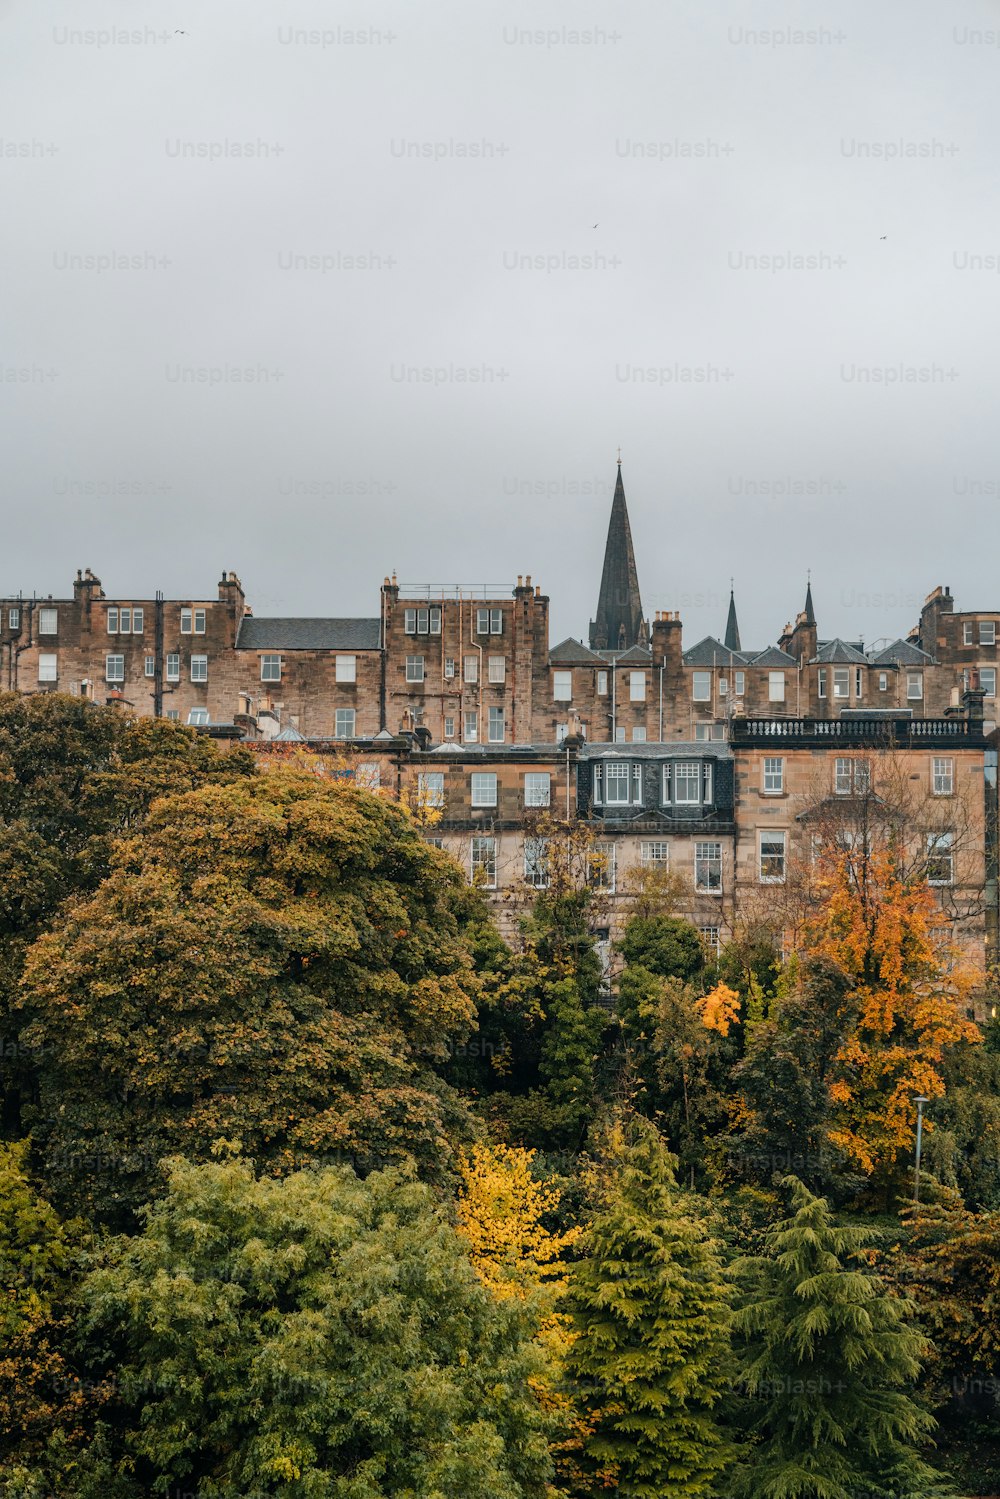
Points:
(619, 455)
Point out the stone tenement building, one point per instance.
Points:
(716, 761)
(474, 666)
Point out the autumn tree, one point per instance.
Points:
(827, 1354)
(73, 777)
(650, 1307)
(505, 1213)
(907, 1002)
(314, 1334)
(277, 961)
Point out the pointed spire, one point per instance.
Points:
(619, 621)
(808, 610)
(732, 627)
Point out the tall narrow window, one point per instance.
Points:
(347, 669)
(776, 686)
(537, 788)
(472, 668)
(497, 668)
(199, 668)
(484, 862)
(483, 785)
(774, 775)
(114, 668)
(47, 668)
(496, 726)
(772, 857)
(562, 686)
(708, 868)
(270, 668)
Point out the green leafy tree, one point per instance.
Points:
(650, 1304)
(73, 777)
(276, 961)
(316, 1334)
(784, 1112)
(827, 1352)
(664, 945)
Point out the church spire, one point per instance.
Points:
(619, 623)
(808, 610)
(732, 627)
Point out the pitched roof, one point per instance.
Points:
(711, 652)
(840, 650)
(572, 652)
(619, 607)
(636, 654)
(773, 656)
(901, 653)
(284, 634)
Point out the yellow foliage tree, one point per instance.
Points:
(908, 1002)
(719, 1009)
(501, 1211)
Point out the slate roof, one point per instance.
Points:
(773, 656)
(571, 652)
(839, 650)
(284, 634)
(901, 653)
(711, 652)
(619, 607)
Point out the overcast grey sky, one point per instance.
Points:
(464, 252)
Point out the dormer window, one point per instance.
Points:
(687, 783)
(617, 783)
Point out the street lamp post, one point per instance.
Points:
(920, 1100)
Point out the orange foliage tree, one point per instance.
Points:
(908, 1001)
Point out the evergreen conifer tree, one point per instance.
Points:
(651, 1314)
(827, 1353)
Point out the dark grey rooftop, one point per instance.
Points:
(573, 653)
(284, 634)
(840, 651)
(712, 652)
(773, 656)
(902, 653)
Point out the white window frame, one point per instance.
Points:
(483, 858)
(172, 666)
(883, 681)
(914, 686)
(125, 621)
(48, 666)
(346, 669)
(149, 666)
(622, 776)
(496, 725)
(470, 669)
(536, 862)
(987, 632)
(821, 681)
(270, 667)
(654, 853)
(988, 680)
(430, 788)
(48, 621)
(773, 775)
(13, 619)
(841, 681)
(198, 718)
(637, 686)
(409, 621)
(112, 621)
(776, 686)
(138, 621)
(414, 668)
(537, 788)
(708, 867)
(470, 726)
(773, 835)
(739, 682)
(638, 734)
(496, 669)
(602, 684)
(114, 672)
(562, 686)
(603, 875)
(449, 666)
(449, 726)
(942, 775)
(199, 668)
(941, 847)
(483, 788)
(199, 622)
(843, 776)
(345, 723)
(701, 686)
(688, 773)
(435, 620)
(968, 633)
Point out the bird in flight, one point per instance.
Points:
(595, 226)
(883, 236)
